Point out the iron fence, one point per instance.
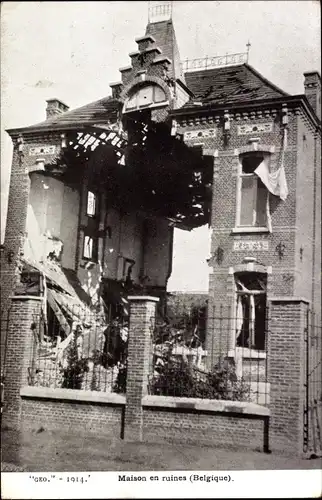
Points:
(211, 354)
(77, 348)
(312, 435)
(4, 322)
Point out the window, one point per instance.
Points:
(90, 248)
(252, 204)
(91, 226)
(145, 97)
(251, 310)
(91, 204)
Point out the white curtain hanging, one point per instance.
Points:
(252, 321)
(239, 317)
(275, 181)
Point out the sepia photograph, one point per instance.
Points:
(161, 249)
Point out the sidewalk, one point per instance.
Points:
(54, 451)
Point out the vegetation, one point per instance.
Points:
(184, 380)
(76, 367)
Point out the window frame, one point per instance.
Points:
(240, 176)
(95, 195)
(94, 253)
(153, 104)
(251, 324)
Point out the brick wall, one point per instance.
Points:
(291, 219)
(286, 355)
(23, 323)
(72, 416)
(23, 163)
(155, 418)
(15, 225)
(305, 240)
(202, 428)
(295, 221)
(142, 317)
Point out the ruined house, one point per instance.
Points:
(96, 192)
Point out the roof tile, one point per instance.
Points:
(100, 111)
(230, 84)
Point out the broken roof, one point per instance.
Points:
(101, 112)
(230, 84)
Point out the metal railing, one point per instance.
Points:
(196, 352)
(214, 62)
(203, 359)
(312, 435)
(84, 351)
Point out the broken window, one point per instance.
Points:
(146, 96)
(91, 204)
(251, 310)
(252, 206)
(89, 249)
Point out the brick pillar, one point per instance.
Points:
(286, 359)
(142, 320)
(23, 328)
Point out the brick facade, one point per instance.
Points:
(291, 259)
(23, 163)
(290, 256)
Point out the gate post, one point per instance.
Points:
(22, 326)
(142, 320)
(286, 367)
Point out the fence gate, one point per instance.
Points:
(312, 422)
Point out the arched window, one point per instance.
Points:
(147, 96)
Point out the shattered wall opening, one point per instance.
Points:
(75, 346)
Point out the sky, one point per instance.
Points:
(73, 51)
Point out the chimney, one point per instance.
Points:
(312, 87)
(55, 107)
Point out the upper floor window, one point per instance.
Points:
(91, 209)
(252, 196)
(146, 96)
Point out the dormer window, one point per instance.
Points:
(147, 96)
